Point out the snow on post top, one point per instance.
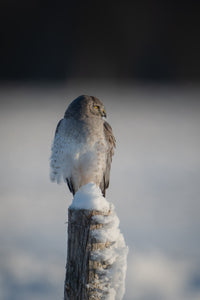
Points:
(90, 197)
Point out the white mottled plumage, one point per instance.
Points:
(83, 145)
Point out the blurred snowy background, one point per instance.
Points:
(155, 187)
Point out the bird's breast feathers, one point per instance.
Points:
(79, 151)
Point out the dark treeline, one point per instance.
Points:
(143, 40)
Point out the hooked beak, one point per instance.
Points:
(104, 113)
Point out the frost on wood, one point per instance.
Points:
(96, 260)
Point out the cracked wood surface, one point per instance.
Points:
(82, 280)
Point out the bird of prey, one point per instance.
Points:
(83, 145)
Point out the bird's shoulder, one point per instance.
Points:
(68, 126)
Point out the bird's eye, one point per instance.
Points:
(96, 107)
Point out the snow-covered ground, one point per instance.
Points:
(155, 187)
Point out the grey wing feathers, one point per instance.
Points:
(111, 145)
(58, 161)
(57, 155)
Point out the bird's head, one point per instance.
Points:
(86, 106)
(96, 107)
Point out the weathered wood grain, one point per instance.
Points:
(82, 280)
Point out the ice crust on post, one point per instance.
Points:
(111, 278)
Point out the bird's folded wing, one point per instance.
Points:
(111, 142)
(58, 154)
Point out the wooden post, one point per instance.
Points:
(83, 279)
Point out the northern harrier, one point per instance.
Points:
(83, 145)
